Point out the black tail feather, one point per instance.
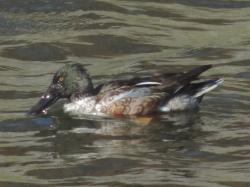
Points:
(192, 74)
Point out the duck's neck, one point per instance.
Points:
(89, 88)
(78, 96)
(83, 91)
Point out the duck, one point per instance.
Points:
(137, 96)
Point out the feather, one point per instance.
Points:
(148, 84)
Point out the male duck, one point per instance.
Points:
(137, 96)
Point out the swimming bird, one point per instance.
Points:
(138, 96)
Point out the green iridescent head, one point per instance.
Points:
(70, 81)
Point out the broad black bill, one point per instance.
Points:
(47, 99)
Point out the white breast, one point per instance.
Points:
(84, 105)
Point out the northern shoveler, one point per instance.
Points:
(137, 96)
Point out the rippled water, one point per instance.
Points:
(210, 147)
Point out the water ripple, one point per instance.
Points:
(119, 40)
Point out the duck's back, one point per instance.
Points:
(127, 100)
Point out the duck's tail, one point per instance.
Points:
(194, 73)
(204, 87)
(190, 96)
(198, 89)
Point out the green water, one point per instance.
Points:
(115, 38)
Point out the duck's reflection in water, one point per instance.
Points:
(114, 136)
(108, 148)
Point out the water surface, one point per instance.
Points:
(119, 39)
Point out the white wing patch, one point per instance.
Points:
(148, 83)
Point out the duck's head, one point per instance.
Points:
(69, 82)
